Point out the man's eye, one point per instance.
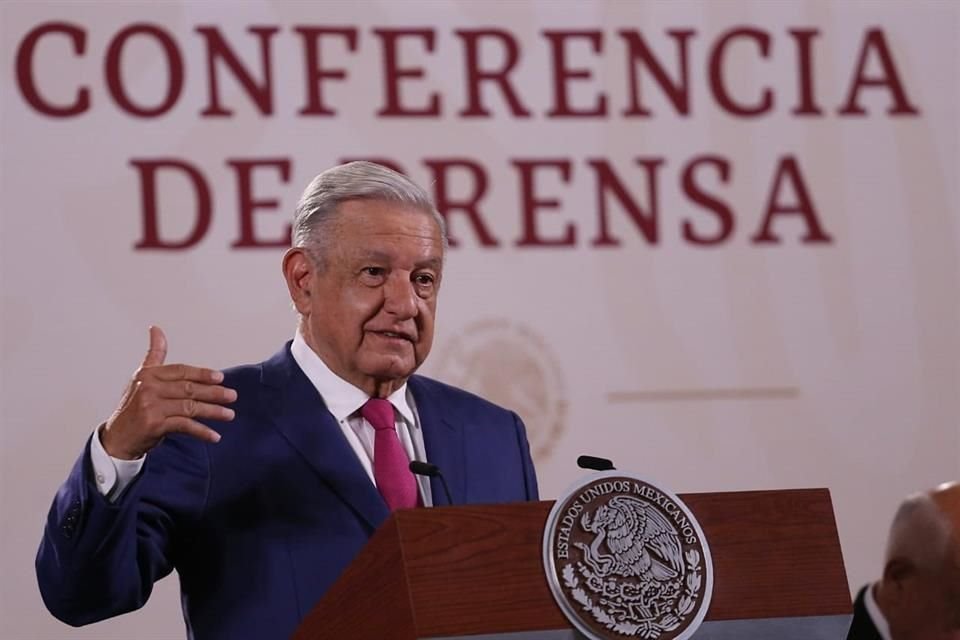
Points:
(373, 271)
(424, 279)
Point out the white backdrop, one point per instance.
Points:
(738, 365)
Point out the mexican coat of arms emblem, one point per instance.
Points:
(627, 559)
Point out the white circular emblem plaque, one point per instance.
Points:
(625, 558)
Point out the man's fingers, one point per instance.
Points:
(190, 408)
(172, 372)
(166, 398)
(157, 352)
(195, 390)
(180, 424)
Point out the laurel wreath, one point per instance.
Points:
(647, 629)
(694, 579)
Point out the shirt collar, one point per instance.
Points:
(879, 621)
(342, 398)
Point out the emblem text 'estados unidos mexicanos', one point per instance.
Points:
(627, 559)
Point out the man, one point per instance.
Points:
(918, 597)
(260, 484)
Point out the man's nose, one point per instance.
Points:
(399, 297)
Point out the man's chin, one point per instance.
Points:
(398, 370)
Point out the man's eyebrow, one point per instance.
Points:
(378, 256)
(430, 263)
(433, 262)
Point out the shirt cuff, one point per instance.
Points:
(112, 475)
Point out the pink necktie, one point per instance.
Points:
(391, 467)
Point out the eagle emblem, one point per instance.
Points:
(641, 543)
(631, 558)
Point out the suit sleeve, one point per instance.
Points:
(99, 559)
(529, 473)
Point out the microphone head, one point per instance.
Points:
(595, 464)
(424, 469)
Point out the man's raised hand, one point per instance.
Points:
(162, 399)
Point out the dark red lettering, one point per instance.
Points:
(247, 205)
(469, 204)
(718, 85)
(562, 74)
(806, 103)
(174, 70)
(888, 78)
(788, 172)
(148, 170)
(27, 82)
(475, 75)
(393, 73)
(678, 92)
(531, 204)
(720, 210)
(315, 105)
(609, 183)
(217, 49)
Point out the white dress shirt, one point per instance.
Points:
(879, 621)
(113, 475)
(343, 400)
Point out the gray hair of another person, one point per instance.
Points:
(920, 533)
(317, 209)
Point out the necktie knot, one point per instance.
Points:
(379, 413)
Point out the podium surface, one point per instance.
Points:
(477, 570)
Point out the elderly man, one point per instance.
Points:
(918, 597)
(260, 484)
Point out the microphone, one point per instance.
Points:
(595, 464)
(431, 471)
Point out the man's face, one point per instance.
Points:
(929, 605)
(937, 604)
(938, 600)
(950, 581)
(369, 307)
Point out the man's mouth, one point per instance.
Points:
(394, 335)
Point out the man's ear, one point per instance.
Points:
(897, 571)
(298, 271)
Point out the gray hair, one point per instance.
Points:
(317, 209)
(920, 533)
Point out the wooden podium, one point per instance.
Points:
(469, 570)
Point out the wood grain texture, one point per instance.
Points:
(478, 569)
(775, 553)
(370, 600)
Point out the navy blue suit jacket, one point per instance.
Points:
(260, 525)
(862, 626)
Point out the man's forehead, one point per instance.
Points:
(373, 218)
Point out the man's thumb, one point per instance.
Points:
(157, 352)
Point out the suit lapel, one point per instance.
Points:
(444, 442)
(297, 411)
(863, 626)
